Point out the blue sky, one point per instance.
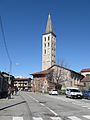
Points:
(24, 22)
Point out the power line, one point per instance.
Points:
(3, 35)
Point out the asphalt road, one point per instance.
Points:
(37, 106)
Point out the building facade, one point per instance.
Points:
(86, 79)
(6, 81)
(48, 46)
(23, 83)
(56, 76)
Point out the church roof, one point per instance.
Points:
(44, 72)
(49, 27)
(85, 70)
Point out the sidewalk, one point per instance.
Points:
(5, 103)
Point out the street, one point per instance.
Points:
(38, 106)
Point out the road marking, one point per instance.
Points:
(55, 118)
(42, 104)
(74, 118)
(52, 111)
(32, 97)
(36, 100)
(37, 118)
(87, 116)
(88, 108)
(17, 118)
(84, 106)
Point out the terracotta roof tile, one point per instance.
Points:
(22, 78)
(85, 70)
(86, 79)
(41, 72)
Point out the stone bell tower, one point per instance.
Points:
(48, 46)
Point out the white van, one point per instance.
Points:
(72, 92)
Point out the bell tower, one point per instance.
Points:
(48, 46)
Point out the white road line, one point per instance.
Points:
(74, 118)
(84, 106)
(55, 118)
(17, 118)
(87, 116)
(32, 97)
(52, 111)
(42, 104)
(88, 108)
(37, 101)
(37, 118)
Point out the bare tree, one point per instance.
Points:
(58, 75)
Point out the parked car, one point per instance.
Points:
(86, 94)
(73, 93)
(53, 92)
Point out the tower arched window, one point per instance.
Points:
(45, 38)
(45, 44)
(45, 51)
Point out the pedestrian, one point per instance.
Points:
(9, 92)
(12, 90)
(16, 90)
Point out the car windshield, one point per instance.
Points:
(74, 90)
(54, 90)
(88, 91)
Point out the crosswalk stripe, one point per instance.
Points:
(74, 118)
(17, 118)
(86, 116)
(37, 118)
(55, 118)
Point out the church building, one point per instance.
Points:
(45, 80)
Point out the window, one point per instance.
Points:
(48, 38)
(25, 83)
(87, 75)
(45, 44)
(44, 51)
(45, 38)
(48, 44)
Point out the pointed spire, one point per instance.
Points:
(49, 27)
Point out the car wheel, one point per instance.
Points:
(88, 98)
(72, 97)
(66, 96)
